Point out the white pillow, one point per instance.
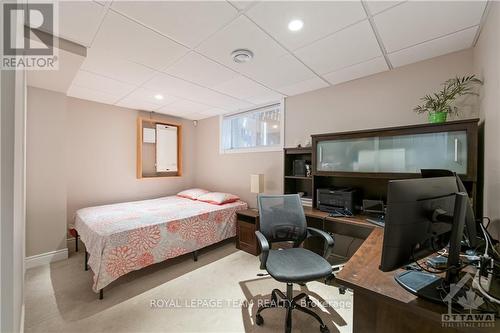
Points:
(218, 198)
(192, 193)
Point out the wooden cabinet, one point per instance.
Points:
(398, 152)
(368, 159)
(298, 181)
(246, 225)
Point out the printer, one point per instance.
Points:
(334, 200)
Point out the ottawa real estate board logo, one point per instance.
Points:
(28, 41)
(471, 302)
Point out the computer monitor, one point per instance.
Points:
(471, 224)
(423, 216)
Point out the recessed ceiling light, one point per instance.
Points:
(159, 97)
(275, 126)
(295, 25)
(242, 55)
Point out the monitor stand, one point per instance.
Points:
(425, 285)
(428, 285)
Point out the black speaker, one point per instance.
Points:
(299, 168)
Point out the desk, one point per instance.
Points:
(380, 304)
(354, 227)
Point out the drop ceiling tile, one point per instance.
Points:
(188, 22)
(220, 100)
(367, 68)
(376, 7)
(196, 116)
(347, 47)
(242, 5)
(303, 86)
(416, 22)
(265, 98)
(201, 70)
(116, 68)
(279, 71)
(101, 83)
(320, 18)
(241, 34)
(136, 105)
(436, 47)
(145, 99)
(183, 107)
(214, 112)
(242, 88)
(58, 80)
(79, 20)
(92, 95)
(171, 85)
(149, 95)
(183, 89)
(122, 38)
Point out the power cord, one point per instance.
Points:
(483, 268)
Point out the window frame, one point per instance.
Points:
(259, 149)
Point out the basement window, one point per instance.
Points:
(256, 130)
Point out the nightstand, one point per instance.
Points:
(247, 222)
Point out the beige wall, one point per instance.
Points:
(487, 64)
(102, 157)
(81, 153)
(381, 100)
(46, 137)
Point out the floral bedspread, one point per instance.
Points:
(124, 237)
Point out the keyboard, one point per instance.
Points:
(377, 221)
(341, 213)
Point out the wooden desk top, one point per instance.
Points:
(358, 220)
(361, 273)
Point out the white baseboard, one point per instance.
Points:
(45, 258)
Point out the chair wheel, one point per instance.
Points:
(324, 329)
(259, 320)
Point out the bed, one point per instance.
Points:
(125, 237)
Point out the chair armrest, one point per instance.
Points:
(329, 242)
(264, 247)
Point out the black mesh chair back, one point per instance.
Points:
(282, 218)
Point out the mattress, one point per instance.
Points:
(124, 237)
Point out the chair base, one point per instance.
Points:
(278, 299)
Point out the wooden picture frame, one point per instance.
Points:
(141, 121)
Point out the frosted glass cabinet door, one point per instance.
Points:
(347, 155)
(395, 154)
(410, 153)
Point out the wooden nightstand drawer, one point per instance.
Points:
(247, 224)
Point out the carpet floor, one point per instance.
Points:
(218, 293)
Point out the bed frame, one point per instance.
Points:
(86, 266)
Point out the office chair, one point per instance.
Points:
(282, 219)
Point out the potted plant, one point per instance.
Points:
(440, 104)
